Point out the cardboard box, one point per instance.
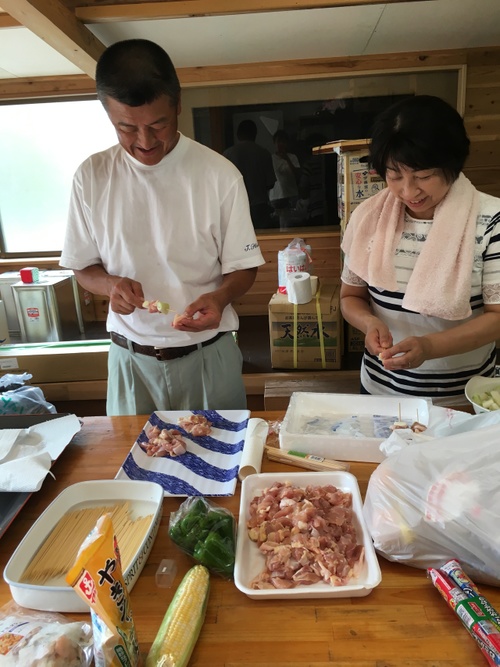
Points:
(355, 339)
(355, 180)
(296, 336)
(57, 362)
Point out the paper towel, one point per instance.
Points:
(253, 449)
(27, 454)
(298, 287)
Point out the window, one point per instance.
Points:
(41, 146)
(324, 109)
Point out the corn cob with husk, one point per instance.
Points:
(182, 622)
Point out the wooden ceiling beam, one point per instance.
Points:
(140, 11)
(59, 28)
(7, 21)
(192, 77)
(45, 87)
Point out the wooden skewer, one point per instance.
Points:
(301, 460)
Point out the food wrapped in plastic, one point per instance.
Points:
(205, 532)
(47, 639)
(438, 500)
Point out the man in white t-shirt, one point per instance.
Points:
(161, 217)
(287, 168)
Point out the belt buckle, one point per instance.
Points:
(158, 353)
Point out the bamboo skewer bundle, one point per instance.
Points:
(309, 461)
(58, 552)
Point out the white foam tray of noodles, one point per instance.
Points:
(144, 498)
(250, 562)
(320, 424)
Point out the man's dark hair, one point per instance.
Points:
(420, 132)
(247, 130)
(136, 72)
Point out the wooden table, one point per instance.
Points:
(401, 623)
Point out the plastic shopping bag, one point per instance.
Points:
(439, 500)
(16, 398)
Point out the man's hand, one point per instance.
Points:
(203, 314)
(125, 295)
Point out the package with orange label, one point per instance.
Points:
(97, 578)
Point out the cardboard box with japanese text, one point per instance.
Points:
(306, 336)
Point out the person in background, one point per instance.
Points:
(256, 166)
(285, 192)
(161, 217)
(421, 277)
(312, 181)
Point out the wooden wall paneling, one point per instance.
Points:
(326, 265)
(485, 180)
(482, 120)
(482, 100)
(483, 128)
(484, 154)
(483, 75)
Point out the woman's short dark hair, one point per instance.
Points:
(420, 132)
(136, 72)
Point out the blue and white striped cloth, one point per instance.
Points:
(210, 465)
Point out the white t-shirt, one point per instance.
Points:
(286, 184)
(175, 227)
(441, 379)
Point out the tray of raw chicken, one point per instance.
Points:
(189, 453)
(302, 535)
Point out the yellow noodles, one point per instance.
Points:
(57, 554)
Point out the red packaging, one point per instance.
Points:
(30, 274)
(473, 618)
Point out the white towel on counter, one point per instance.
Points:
(26, 455)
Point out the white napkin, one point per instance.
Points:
(253, 449)
(28, 457)
(8, 436)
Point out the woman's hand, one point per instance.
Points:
(408, 353)
(378, 337)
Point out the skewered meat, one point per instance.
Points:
(157, 306)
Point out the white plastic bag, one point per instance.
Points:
(19, 399)
(438, 500)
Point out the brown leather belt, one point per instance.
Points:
(162, 353)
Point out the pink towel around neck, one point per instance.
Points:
(440, 283)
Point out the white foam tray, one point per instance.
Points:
(250, 562)
(144, 498)
(308, 405)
